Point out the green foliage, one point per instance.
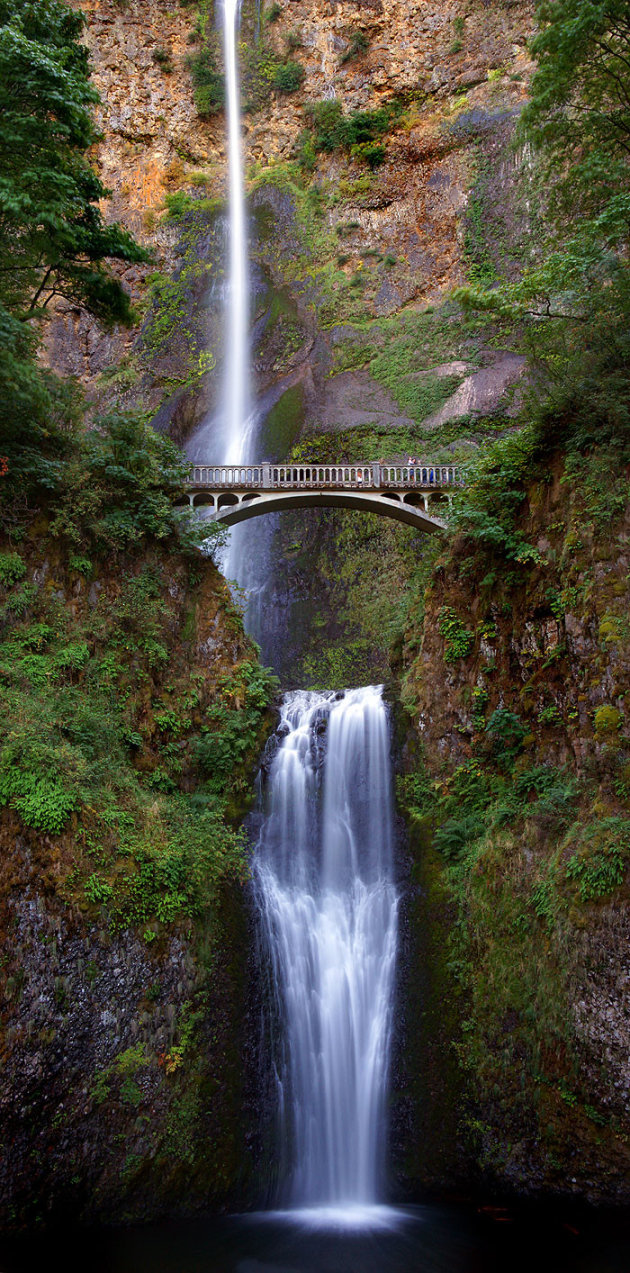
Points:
(332, 130)
(506, 732)
(599, 864)
(288, 77)
(162, 59)
(578, 115)
(488, 507)
(74, 694)
(208, 82)
(369, 152)
(12, 569)
(234, 723)
(97, 891)
(30, 775)
(37, 418)
(53, 238)
(577, 121)
(456, 835)
(607, 719)
(458, 641)
(359, 43)
(119, 488)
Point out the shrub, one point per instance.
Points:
(506, 731)
(293, 40)
(359, 43)
(288, 77)
(456, 834)
(120, 488)
(607, 719)
(208, 82)
(335, 131)
(599, 865)
(163, 60)
(370, 153)
(12, 569)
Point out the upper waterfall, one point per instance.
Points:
(236, 393)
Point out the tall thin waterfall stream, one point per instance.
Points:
(324, 873)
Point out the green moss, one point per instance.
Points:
(283, 423)
(607, 719)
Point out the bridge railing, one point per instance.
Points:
(421, 475)
(305, 476)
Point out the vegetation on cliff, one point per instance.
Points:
(524, 622)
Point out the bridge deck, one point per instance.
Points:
(321, 476)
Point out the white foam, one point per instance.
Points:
(353, 1217)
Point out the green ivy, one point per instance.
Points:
(458, 640)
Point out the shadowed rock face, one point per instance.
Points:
(482, 393)
(354, 400)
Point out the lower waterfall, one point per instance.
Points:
(324, 872)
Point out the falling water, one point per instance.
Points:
(229, 436)
(323, 864)
(236, 394)
(324, 869)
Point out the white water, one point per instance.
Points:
(237, 413)
(323, 864)
(229, 436)
(324, 868)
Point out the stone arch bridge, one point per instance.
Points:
(417, 494)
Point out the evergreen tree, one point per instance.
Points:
(53, 239)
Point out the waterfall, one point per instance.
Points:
(324, 874)
(229, 437)
(236, 382)
(323, 865)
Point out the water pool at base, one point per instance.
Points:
(422, 1239)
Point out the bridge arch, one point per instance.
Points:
(384, 504)
(414, 493)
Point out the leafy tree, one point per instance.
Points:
(119, 486)
(208, 82)
(53, 239)
(38, 417)
(288, 77)
(579, 112)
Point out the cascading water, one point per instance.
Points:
(324, 872)
(323, 864)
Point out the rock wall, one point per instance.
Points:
(535, 953)
(339, 240)
(132, 1077)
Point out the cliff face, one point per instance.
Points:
(355, 246)
(517, 681)
(515, 675)
(129, 1033)
(341, 234)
